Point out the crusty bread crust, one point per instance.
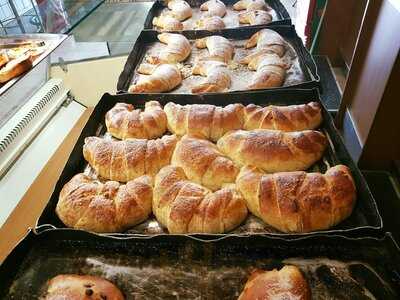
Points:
(15, 68)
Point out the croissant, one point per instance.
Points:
(274, 151)
(218, 77)
(162, 78)
(180, 9)
(284, 118)
(186, 207)
(299, 201)
(123, 121)
(214, 8)
(203, 163)
(178, 49)
(129, 159)
(255, 17)
(210, 23)
(287, 283)
(219, 48)
(267, 41)
(76, 287)
(251, 5)
(88, 204)
(168, 23)
(205, 121)
(270, 71)
(14, 67)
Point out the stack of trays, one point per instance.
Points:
(201, 223)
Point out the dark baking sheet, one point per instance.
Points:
(365, 218)
(179, 267)
(146, 38)
(281, 16)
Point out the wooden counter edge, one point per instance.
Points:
(28, 210)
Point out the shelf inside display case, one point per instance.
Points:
(17, 91)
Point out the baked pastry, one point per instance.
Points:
(270, 71)
(286, 284)
(284, 118)
(203, 120)
(178, 49)
(167, 23)
(251, 5)
(129, 159)
(82, 287)
(88, 204)
(186, 207)
(219, 48)
(180, 9)
(299, 201)
(203, 163)
(4, 59)
(214, 8)
(162, 78)
(267, 41)
(255, 17)
(15, 67)
(274, 151)
(210, 23)
(124, 122)
(218, 77)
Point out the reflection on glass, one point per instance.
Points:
(53, 16)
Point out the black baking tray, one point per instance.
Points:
(365, 218)
(180, 267)
(307, 63)
(282, 16)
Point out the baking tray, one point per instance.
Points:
(279, 13)
(53, 40)
(306, 64)
(179, 267)
(365, 218)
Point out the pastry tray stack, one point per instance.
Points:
(351, 260)
(280, 15)
(306, 64)
(365, 217)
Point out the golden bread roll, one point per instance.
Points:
(284, 118)
(177, 49)
(162, 78)
(129, 159)
(270, 71)
(203, 120)
(15, 67)
(210, 23)
(203, 163)
(123, 121)
(255, 17)
(251, 5)
(272, 150)
(82, 287)
(180, 9)
(219, 48)
(286, 284)
(88, 204)
(183, 206)
(299, 201)
(168, 23)
(267, 41)
(218, 77)
(214, 8)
